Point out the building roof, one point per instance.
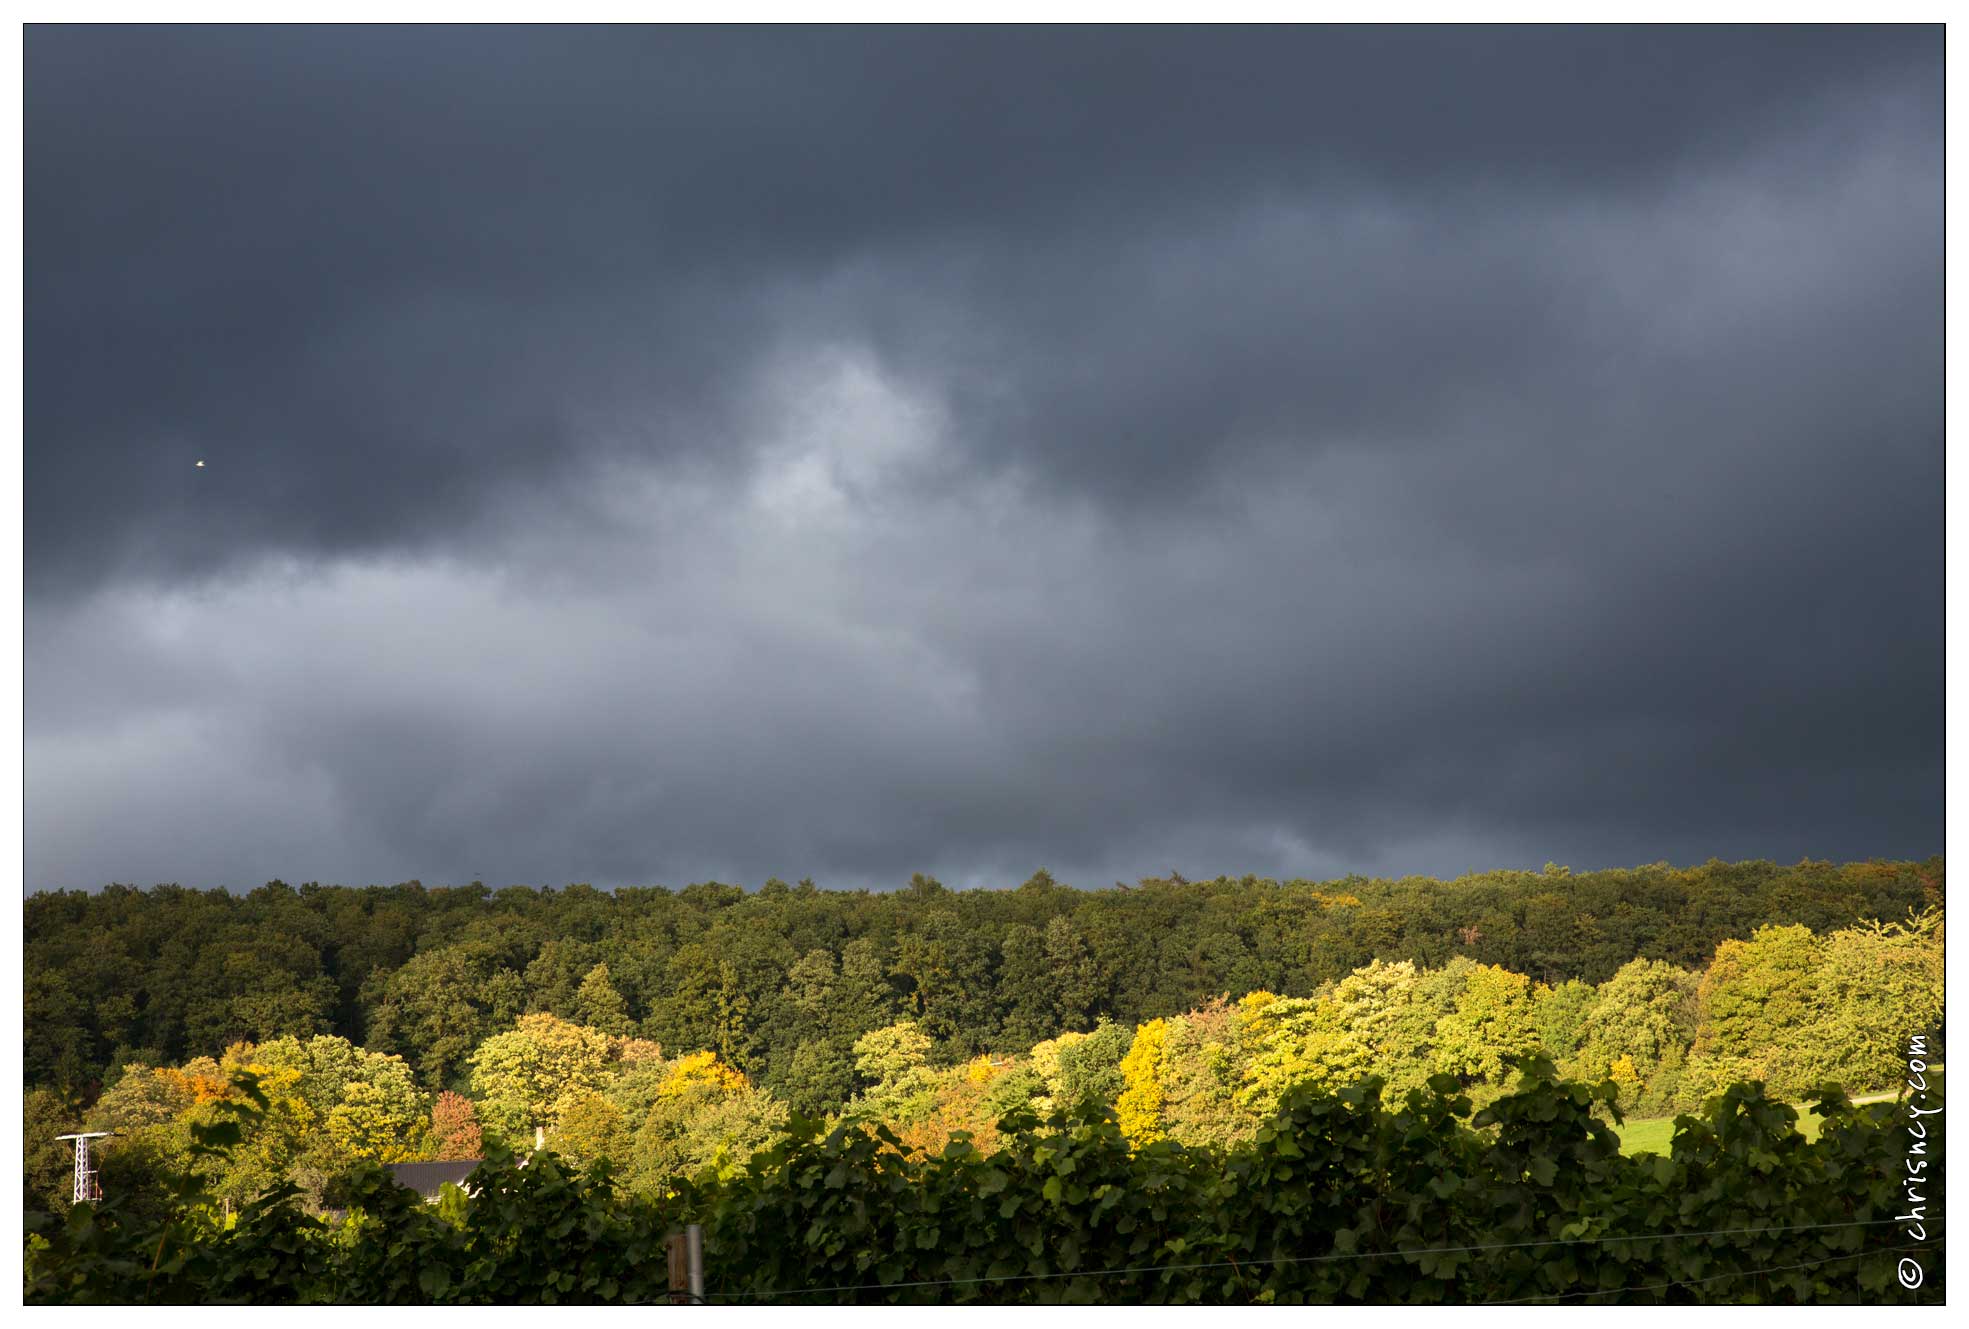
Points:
(427, 1178)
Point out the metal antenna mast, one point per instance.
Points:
(87, 1187)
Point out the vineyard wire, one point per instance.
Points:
(1693, 1282)
(1314, 1259)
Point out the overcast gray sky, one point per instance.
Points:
(658, 455)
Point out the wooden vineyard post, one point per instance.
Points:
(679, 1269)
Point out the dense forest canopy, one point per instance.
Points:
(657, 1040)
(781, 982)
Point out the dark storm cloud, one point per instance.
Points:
(659, 455)
(382, 273)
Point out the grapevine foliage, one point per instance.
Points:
(1341, 1198)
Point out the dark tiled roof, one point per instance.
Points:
(427, 1178)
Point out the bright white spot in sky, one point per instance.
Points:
(199, 464)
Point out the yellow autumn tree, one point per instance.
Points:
(1139, 1107)
(587, 1126)
(197, 1081)
(958, 1105)
(382, 1120)
(1253, 1017)
(1046, 1060)
(701, 1072)
(704, 1109)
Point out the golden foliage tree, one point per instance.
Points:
(1139, 1108)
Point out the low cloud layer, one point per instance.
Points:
(723, 454)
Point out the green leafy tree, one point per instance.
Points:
(946, 969)
(140, 1098)
(1090, 1067)
(1638, 1031)
(599, 1006)
(1371, 1020)
(255, 987)
(819, 1078)
(1757, 999)
(1298, 1041)
(1075, 979)
(48, 1167)
(518, 1075)
(1558, 1012)
(1030, 1011)
(1489, 1029)
(893, 1066)
(810, 990)
(555, 975)
(278, 1137)
(867, 998)
(1876, 984)
(441, 1005)
(57, 1048)
(731, 1029)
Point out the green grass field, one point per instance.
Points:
(1651, 1135)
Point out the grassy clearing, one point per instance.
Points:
(1652, 1135)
